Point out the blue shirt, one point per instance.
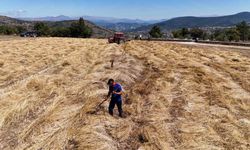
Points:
(117, 88)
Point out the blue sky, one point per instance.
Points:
(141, 9)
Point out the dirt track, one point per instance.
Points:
(177, 96)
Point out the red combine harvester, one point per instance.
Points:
(118, 38)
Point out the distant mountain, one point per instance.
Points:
(111, 20)
(94, 19)
(97, 30)
(122, 26)
(191, 22)
(49, 18)
(7, 21)
(117, 24)
(4, 20)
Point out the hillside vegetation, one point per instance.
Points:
(10, 26)
(194, 22)
(241, 32)
(176, 96)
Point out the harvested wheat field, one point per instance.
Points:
(176, 96)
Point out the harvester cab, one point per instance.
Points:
(117, 38)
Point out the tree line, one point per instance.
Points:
(241, 32)
(10, 30)
(76, 29)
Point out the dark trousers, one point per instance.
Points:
(112, 104)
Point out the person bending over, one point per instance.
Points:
(115, 91)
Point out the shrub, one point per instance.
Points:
(79, 29)
(8, 30)
(42, 29)
(244, 30)
(60, 32)
(155, 32)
